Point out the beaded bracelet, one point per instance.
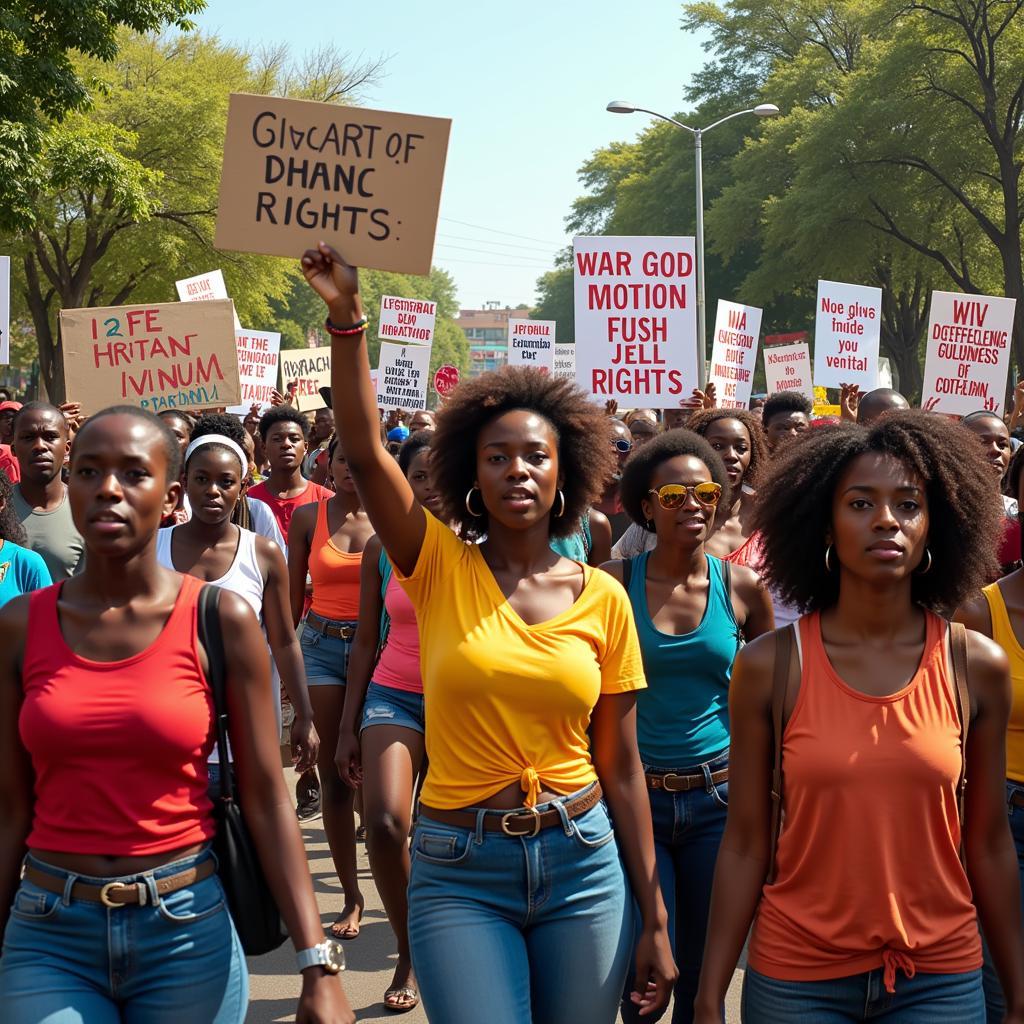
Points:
(340, 332)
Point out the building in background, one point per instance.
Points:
(486, 331)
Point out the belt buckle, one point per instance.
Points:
(106, 890)
(512, 814)
(667, 784)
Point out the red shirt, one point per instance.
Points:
(284, 508)
(9, 464)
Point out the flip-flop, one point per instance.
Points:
(349, 931)
(408, 992)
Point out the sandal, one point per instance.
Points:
(401, 1000)
(342, 931)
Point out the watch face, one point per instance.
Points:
(334, 956)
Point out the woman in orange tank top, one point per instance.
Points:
(870, 914)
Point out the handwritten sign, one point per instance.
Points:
(402, 376)
(258, 353)
(734, 353)
(847, 327)
(787, 364)
(531, 343)
(446, 380)
(366, 181)
(5, 309)
(203, 287)
(565, 362)
(310, 368)
(636, 326)
(406, 320)
(968, 353)
(171, 355)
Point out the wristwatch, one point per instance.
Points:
(329, 955)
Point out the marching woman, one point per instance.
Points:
(107, 722)
(530, 665)
(326, 541)
(692, 611)
(886, 722)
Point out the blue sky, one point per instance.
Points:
(525, 84)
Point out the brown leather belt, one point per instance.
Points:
(120, 894)
(520, 822)
(672, 783)
(1017, 798)
(328, 627)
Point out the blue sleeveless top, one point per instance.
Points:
(683, 715)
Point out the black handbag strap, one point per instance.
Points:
(212, 639)
(627, 571)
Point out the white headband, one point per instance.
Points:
(219, 439)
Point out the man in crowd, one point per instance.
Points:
(785, 415)
(622, 441)
(319, 435)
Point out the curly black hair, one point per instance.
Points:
(278, 414)
(785, 402)
(794, 508)
(636, 477)
(585, 458)
(759, 454)
(412, 446)
(10, 525)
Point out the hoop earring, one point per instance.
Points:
(928, 568)
(561, 510)
(828, 554)
(469, 508)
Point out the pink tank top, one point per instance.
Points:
(399, 665)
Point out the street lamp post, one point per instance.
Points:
(761, 110)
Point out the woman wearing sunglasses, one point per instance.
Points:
(691, 610)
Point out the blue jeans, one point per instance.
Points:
(994, 1003)
(688, 829)
(514, 930)
(75, 962)
(922, 999)
(325, 658)
(387, 705)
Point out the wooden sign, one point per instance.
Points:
(169, 355)
(367, 182)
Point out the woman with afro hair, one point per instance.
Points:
(519, 900)
(868, 911)
(692, 612)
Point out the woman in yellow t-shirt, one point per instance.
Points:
(519, 901)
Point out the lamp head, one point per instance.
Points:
(620, 107)
(766, 110)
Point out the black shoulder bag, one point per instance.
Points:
(252, 905)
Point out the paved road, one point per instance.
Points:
(274, 985)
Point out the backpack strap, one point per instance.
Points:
(958, 649)
(780, 686)
(211, 637)
(627, 571)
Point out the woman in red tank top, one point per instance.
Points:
(871, 915)
(107, 724)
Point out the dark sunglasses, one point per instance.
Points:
(622, 446)
(672, 496)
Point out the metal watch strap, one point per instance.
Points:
(317, 956)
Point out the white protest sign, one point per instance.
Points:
(787, 364)
(258, 353)
(5, 309)
(310, 369)
(402, 376)
(565, 362)
(884, 373)
(406, 319)
(734, 353)
(968, 353)
(204, 286)
(531, 343)
(847, 327)
(636, 322)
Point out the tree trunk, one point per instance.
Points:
(51, 355)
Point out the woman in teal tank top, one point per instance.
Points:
(692, 613)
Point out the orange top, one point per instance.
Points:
(335, 574)
(868, 871)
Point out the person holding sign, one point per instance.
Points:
(117, 913)
(530, 662)
(887, 726)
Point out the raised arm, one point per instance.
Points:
(385, 493)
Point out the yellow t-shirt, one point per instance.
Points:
(1002, 633)
(506, 701)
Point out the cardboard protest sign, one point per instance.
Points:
(168, 355)
(847, 327)
(5, 309)
(787, 363)
(310, 368)
(636, 326)
(565, 362)
(367, 182)
(968, 353)
(402, 375)
(406, 320)
(734, 353)
(531, 343)
(258, 353)
(446, 380)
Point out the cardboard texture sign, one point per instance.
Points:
(310, 368)
(168, 355)
(367, 182)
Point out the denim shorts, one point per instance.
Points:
(325, 658)
(175, 959)
(386, 705)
